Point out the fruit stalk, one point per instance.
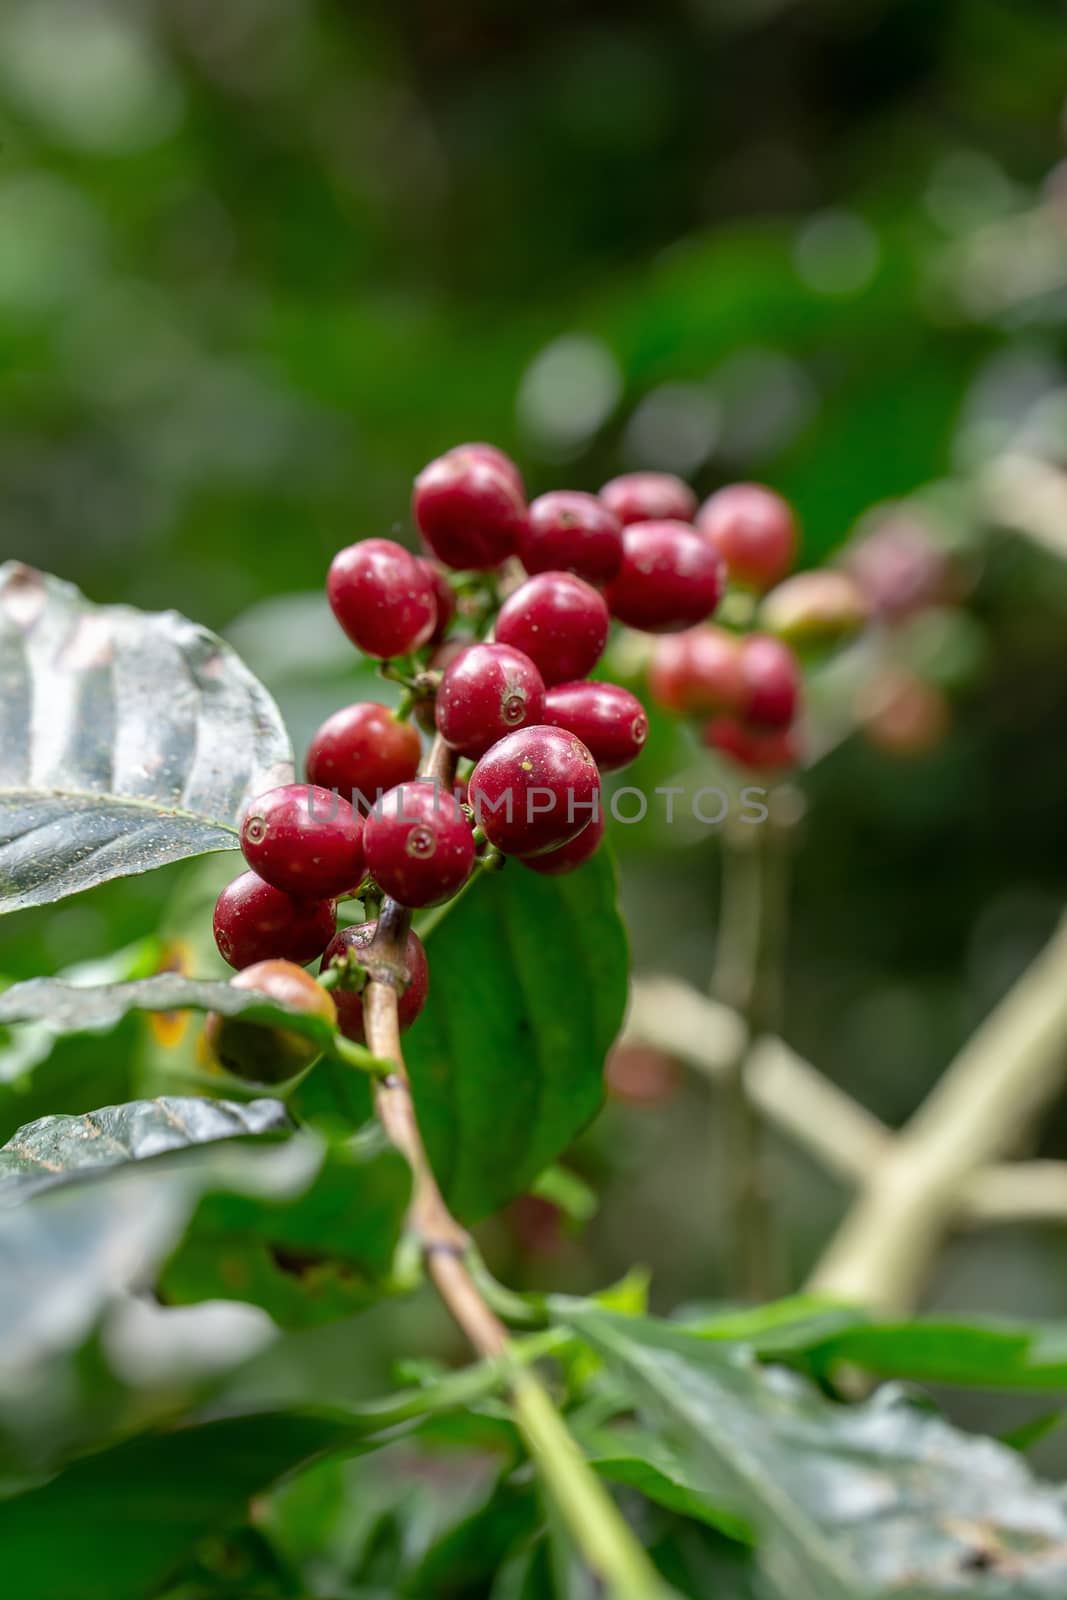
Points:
(598, 1529)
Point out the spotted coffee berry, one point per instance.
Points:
(670, 578)
(254, 922)
(569, 857)
(382, 597)
(305, 840)
(486, 691)
(572, 532)
(469, 510)
(412, 997)
(754, 530)
(610, 721)
(535, 790)
(559, 621)
(420, 848)
(649, 497)
(260, 1053)
(363, 750)
(770, 677)
(697, 672)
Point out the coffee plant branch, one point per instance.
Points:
(943, 1169)
(597, 1527)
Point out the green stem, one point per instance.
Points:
(605, 1540)
(464, 1388)
(599, 1530)
(358, 1056)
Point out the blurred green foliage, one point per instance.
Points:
(260, 260)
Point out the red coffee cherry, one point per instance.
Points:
(425, 704)
(649, 497)
(534, 790)
(443, 594)
(559, 621)
(770, 675)
(255, 1051)
(350, 1004)
(572, 532)
(493, 457)
(420, 848)
(569, 857)
(362, 750)
(469, 510)
(670, 578)
(382, 597)
(304, 840)
(609, 720)
(487, 691)
(754, 530)
(697, 672)
(254, 922)
(759, 749)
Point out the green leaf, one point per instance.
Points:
(114, 1526)
(159, 1194)
(63, 1008)
(425, 1515)
(639, 1459)
(55, 1149)
(527, 992)
(67, 1008)
(312, 1260)
(842, 1502)
(127, 740)
(975, 1352)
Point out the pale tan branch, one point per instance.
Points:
(823, 1119)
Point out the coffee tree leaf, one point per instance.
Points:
(842, 1502)
(528, 984)
(128, 740)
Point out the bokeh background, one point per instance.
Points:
(260, 260)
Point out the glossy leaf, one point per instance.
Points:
(527, 992)
(55, 1149)
(65, 1008)
(98, 1206)
(842, 1502)
(127, 740)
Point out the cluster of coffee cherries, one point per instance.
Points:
(536, 587)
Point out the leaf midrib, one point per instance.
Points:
(127, 802)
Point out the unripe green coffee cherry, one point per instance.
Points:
(815, 610)
(255, 1051)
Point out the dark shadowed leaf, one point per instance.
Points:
(127, 740)
(427, 1515)
(527, 992)
(171, 1489)
(843, 1502)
